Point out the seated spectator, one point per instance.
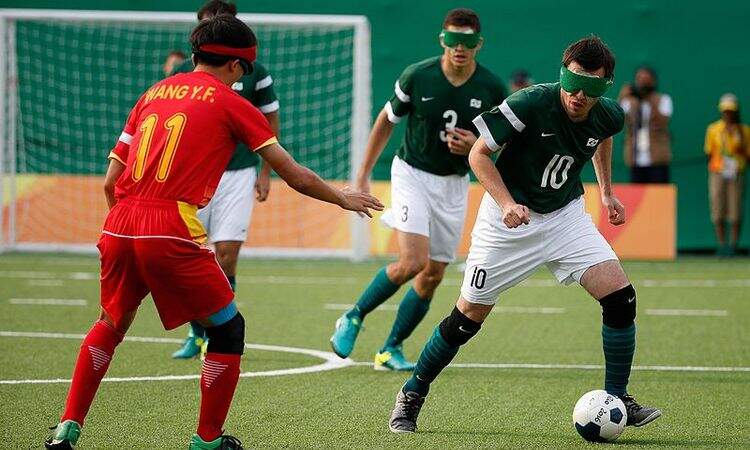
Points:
(728, 150)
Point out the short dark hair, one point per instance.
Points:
(223, 29)
(592, 54)
(649, 69)
(463, 17)
(216, 7)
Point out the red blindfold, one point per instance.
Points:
(248, 53)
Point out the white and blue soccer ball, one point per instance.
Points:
(599, 416)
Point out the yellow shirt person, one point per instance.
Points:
(728, 149)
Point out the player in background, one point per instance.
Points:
(174, 59)
(227, 215)
(533, 214)
(176, 143)
(429, 182)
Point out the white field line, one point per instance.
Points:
(330, 360)
(351, 280)
(687, 312)
(48, 301)
(47, 283)
(583, 367)
(34, 274)
(348, 306)
(497, 309)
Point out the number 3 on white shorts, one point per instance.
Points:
(553, 167)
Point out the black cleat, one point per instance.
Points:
(405, 411)
(638, 415)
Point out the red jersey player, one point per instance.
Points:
(167, 163)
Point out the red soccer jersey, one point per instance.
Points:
(180, 136)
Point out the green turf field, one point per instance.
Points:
(293, 304)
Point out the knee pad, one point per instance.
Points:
(227, 338)
(618, 308)
(457, 329)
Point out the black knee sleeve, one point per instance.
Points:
(457, 329)
(618, 308)
(227, 338)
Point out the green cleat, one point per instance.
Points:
(345, 336)
(191, 348)
(392, 358)
(223, 442)
(63, 436)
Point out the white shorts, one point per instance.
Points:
(430, 205)
(227, 215)
(566, 241)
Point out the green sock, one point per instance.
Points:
(619, 347)
(437, 354)
(379, 290)
(411, 311)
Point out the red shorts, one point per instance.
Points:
(150, 246)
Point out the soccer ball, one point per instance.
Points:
(599, 416)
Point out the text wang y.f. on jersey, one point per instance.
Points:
(180, 136)
(542, 151)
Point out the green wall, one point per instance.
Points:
(699, 50)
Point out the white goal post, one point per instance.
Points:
(68, 78)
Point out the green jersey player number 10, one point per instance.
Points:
(452, 119)
(554, 167)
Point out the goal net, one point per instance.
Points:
(69, 78)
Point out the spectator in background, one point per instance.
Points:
(175, 58)
(728, 150)
(647, 141)
(519, 79)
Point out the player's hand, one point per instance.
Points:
(460, 141)
(514, 215)
(263, 186)
(360, 202)
(615, 209)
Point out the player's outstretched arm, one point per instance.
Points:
(603, 167)
(379, 136)
(115, 169)
(263, 183)
(307, 182)
(480, 160)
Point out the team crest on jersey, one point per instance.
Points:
(592, 142)
(474, 103)
(238, 86)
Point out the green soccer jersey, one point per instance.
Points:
(257, 87)
(541, 150)
(434, 105)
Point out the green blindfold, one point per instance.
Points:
(452, 39)
(591, 86)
